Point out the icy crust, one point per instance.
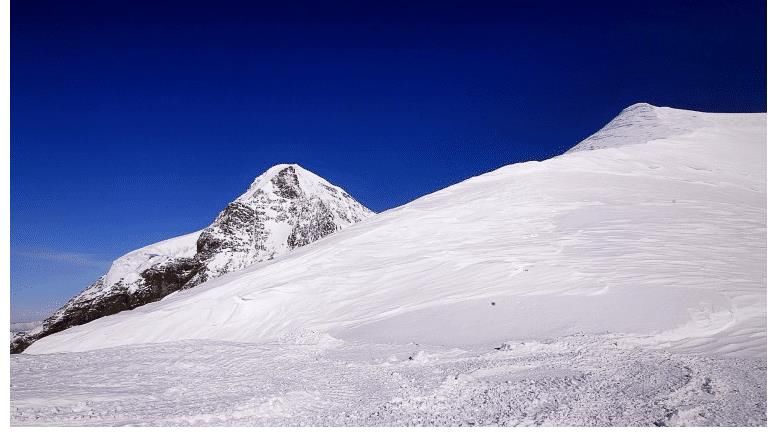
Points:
(285, 208)
(642, 123)
(663, 242)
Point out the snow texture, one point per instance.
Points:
(622, 286)
(568, 381)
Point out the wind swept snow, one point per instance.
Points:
(636, 270)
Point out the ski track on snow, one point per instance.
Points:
(577, 380)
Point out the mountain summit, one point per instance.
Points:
(642, 122)
(285, 208)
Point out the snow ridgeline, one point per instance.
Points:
(658, 235)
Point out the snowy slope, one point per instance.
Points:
(284, 208)
(659, 236)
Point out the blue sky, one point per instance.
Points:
(135, 121)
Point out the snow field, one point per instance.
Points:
(577, 380)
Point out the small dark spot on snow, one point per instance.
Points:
(493, 303)
(706, 386)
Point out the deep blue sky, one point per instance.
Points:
(136, 121)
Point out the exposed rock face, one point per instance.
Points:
(285, 208)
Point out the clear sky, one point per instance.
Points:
(135, 121)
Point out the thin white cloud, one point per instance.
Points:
(63, 257)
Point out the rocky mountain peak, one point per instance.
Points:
(285, 208)
(289, 181)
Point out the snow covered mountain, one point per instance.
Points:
(285, 208)
(659, 235)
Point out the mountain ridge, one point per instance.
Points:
(285, 208)
(661, 240)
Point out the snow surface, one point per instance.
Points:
(639, 268)
(568, 381)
